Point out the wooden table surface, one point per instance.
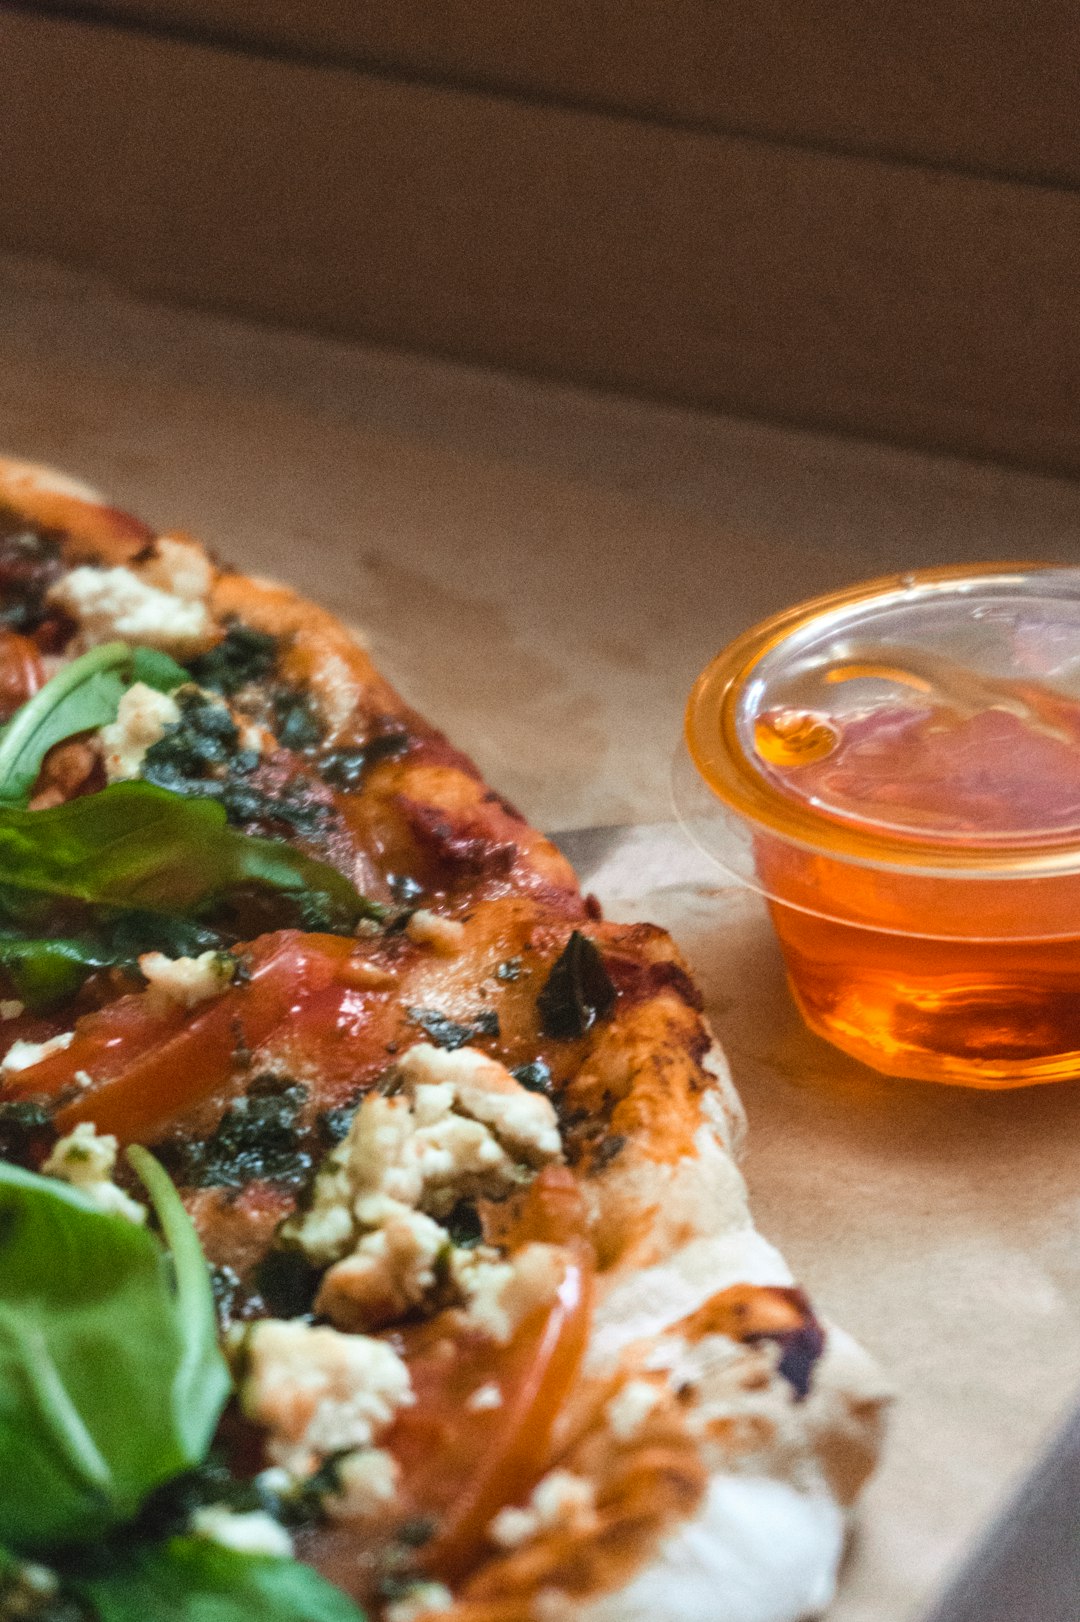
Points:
(544, 572)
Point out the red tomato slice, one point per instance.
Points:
(21, 672)
(148, 1063)
(460, 1465)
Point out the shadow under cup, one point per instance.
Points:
(895, 770)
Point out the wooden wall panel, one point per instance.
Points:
(990, 86)
(842, 292)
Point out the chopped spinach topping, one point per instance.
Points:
(578, 990)
(30, 561)
(225, 1283)
(450, 1033)
(464, 1226)
(24, 1126)
(345, 768)
(205, 737)
(244, 655)
(258, 1136)
(403, 888)
(295, 722)
(198, 755)
(334, 1124)
(287, 1283)
(535, 1077)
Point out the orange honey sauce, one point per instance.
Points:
(897, 769)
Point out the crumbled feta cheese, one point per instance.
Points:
(141, 719)
(444, 935)
(87, 1162)
(501, 1294)
(420, 1600)
(366, 1481)
(630, 1407)
(460, 1130)
(119, 603)
(484, 1089)
(428, 1148)
(319, 1392)
(483, 1398)
(391, 1271)
(188, 980)
(179, 566)
(253, 1532)
(11, 1008)
(561, 1500)
(23, 1055)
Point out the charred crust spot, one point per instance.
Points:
(608, 1150)
(754, 1313)
(637, 981)
(462, 842)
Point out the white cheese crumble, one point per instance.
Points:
(500, 1295)
(23, 1055)
(484, 1398)
(485, 1090)
(120, 603)
(446, 936)
(561, 1500)
(461, 1129)
(391, 1271)
(319, 1392)
(141, 719)
(188, 980)
(11, 1008)
(87, 1162)
(366, 1481)
(420, 1600)
(253, 1532)
(179, 566)
(630, 1407)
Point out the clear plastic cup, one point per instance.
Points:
(896, 768)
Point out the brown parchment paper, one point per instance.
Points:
(939, 1225)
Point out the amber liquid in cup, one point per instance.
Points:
(996, 1004)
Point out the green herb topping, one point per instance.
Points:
(111, 1387)
(578, 992)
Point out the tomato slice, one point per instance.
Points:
(21, 672)
(148, 1063)
(461, 1465)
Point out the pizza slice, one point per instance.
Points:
(501, 1340)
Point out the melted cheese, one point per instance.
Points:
(758, 1550)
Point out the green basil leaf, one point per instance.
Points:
(193, 1580)
(135, 845)
(201, 1382)
(156, 669)
(106, 1391)
(43, 972)
(82, 696)
(578, 992)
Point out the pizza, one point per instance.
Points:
(464, 1314)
